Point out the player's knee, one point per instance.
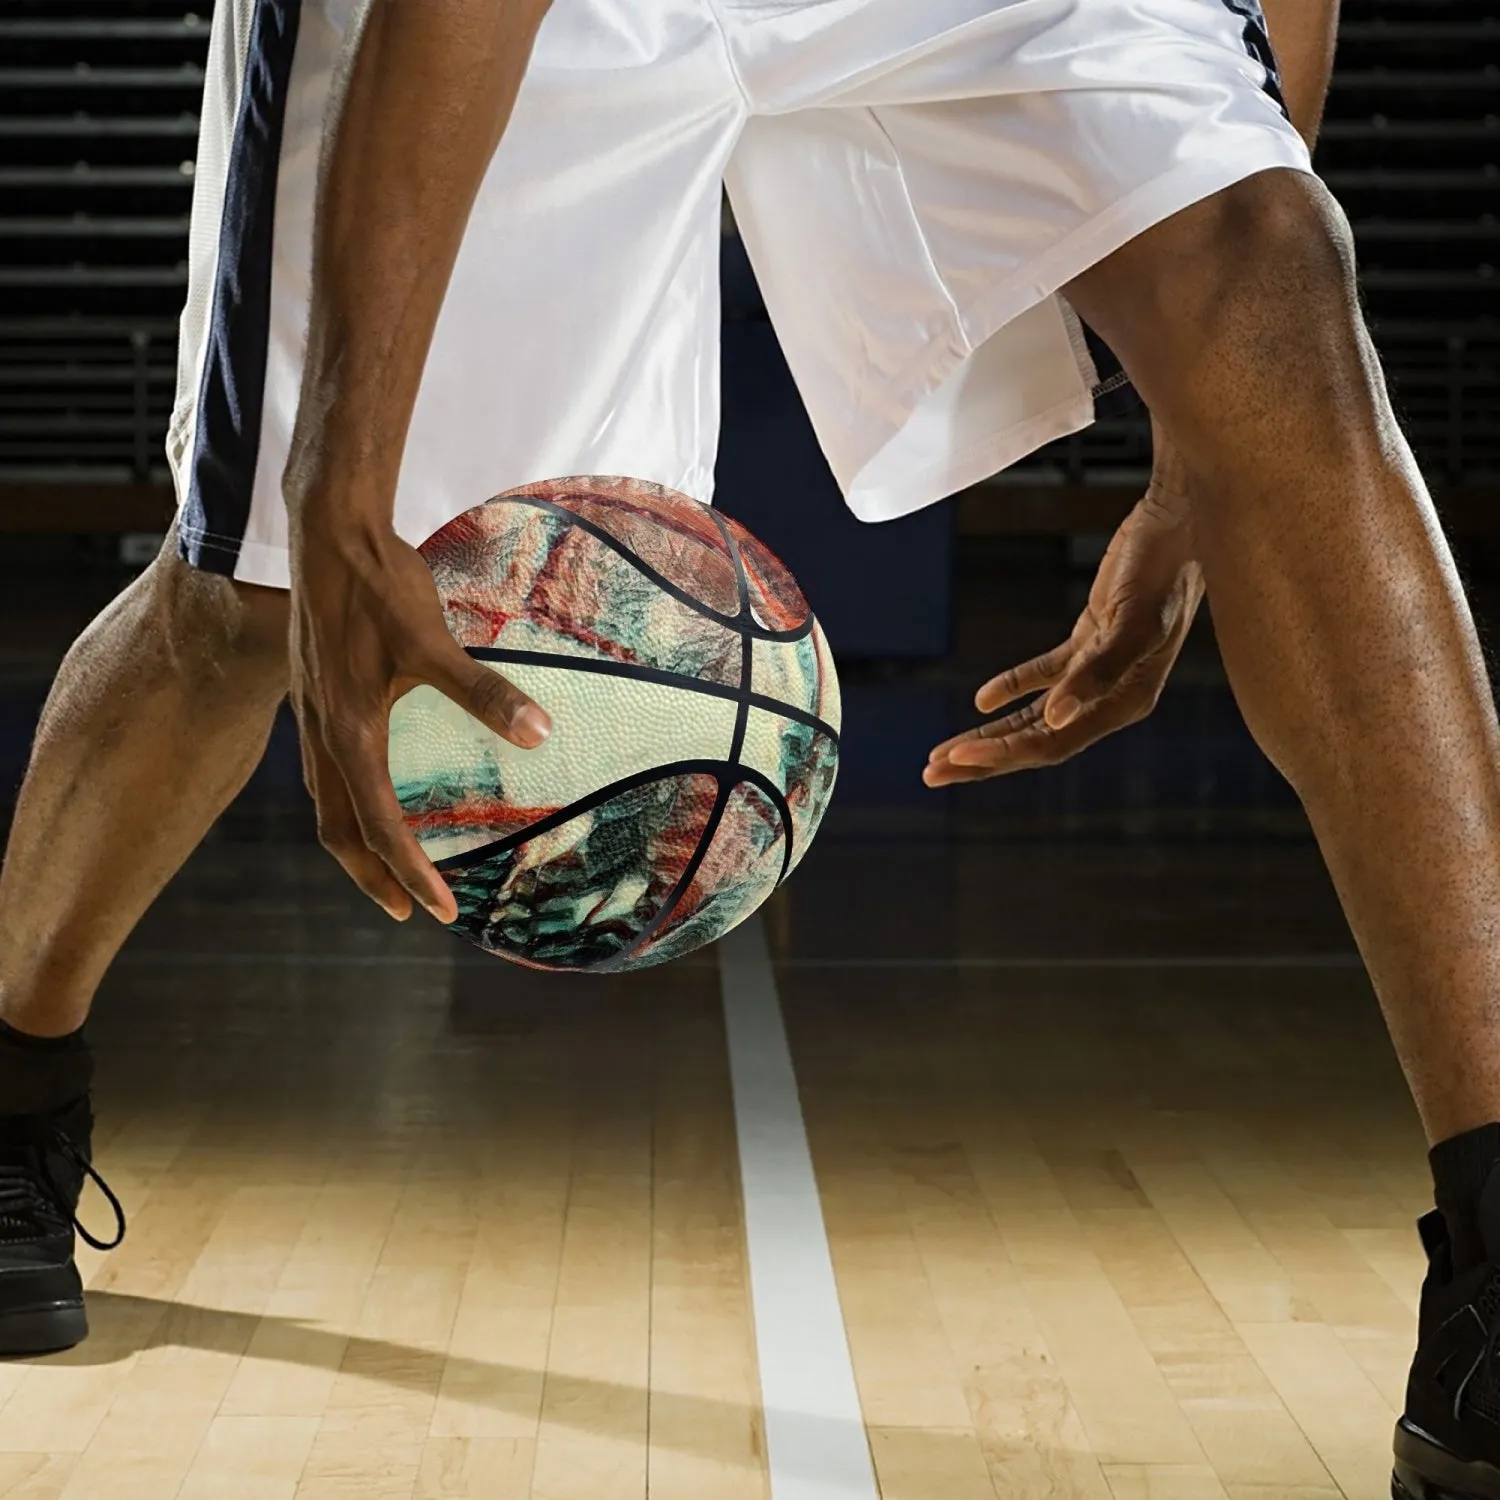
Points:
(216, 632)
(1237, 303)
(1277, 282)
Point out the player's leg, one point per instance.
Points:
(162, 707)
(156, 719)
(1344, 629)
(1354, 658)
(1031, 151)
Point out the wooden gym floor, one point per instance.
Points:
(1115, 1165)
(409, 1224)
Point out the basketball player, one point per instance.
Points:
(950, 205)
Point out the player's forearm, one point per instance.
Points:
(1304, 33)
(429, 88)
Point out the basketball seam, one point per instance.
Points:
(747, 655)
(576, 809)
(742, 716)
(640, 673)
(742, 624)
(674, 897)
(729, 774)
(727, 784)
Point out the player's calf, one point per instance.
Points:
(1355, 661)
(158, 714)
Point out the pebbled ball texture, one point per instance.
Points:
(695, 713)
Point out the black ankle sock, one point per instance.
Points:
(1461, 1168)
(39, 1074)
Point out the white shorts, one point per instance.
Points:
(914, 180)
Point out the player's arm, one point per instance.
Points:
(1304, 34)
(427, 90)
(1110, 672)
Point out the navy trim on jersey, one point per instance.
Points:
(231, 396)
(1258, 45)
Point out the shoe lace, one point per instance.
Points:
(30, 1193)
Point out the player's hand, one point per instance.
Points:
(1109, 673)
(367, 627)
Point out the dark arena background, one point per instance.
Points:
(1116, 1168)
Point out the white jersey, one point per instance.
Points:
(915, 180)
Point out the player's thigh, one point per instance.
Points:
(916, 229)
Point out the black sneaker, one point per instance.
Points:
(1448, 1441)
(43, 1162)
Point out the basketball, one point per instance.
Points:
(695, 738)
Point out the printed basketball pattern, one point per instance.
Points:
(696, 718)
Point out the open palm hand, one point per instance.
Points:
(1110, 671)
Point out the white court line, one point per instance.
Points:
(816, 1447)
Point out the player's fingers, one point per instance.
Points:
(491, 698)
(945, 773)
(993, 739)
(994, 730)
(1031, 745)
(360, 756)
(1025, 750)
(944, 770)
(948, 773)
(940, 752)
(1030, 677)
(1104, 672)
(338, 829)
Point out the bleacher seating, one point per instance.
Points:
(98, 102)
(1411, 147)
(98, 120)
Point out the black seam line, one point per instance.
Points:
(741, 625)
(729, 775)
(742, 718)
(478, 856)
(739, 777)
(607, 668)
(716, 814)
(673, 897)
(718, 769)
(747, 656)
(777, 799)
